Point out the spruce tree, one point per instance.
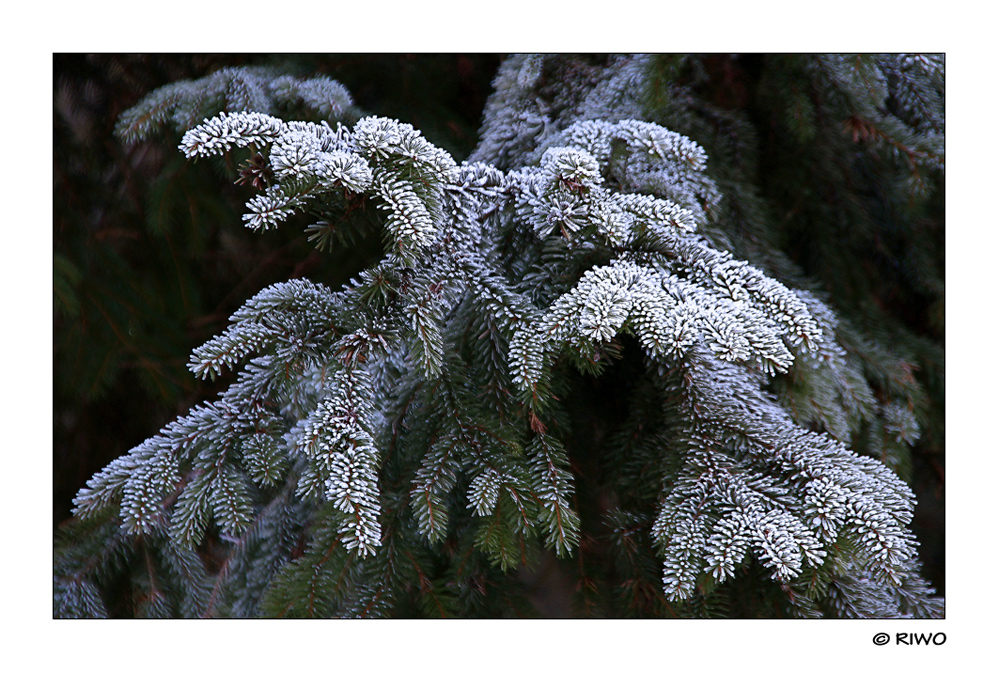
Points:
(673, 329)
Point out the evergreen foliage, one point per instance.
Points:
(147, 263)
(587, 345)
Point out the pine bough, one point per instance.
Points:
(415, 411)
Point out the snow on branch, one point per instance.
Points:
(367, 403)
(343, 458)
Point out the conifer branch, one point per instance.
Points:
(419, 432)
